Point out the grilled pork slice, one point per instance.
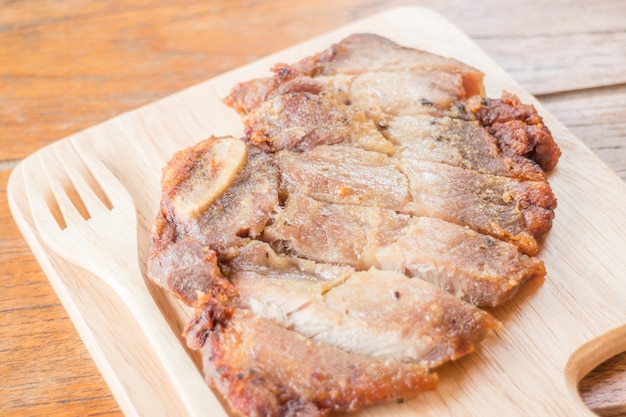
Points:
(376, 313)
(507, 208)
(474, 267)
(362, 53)
(355, 55)
(343, 174)
(301, 120)
(460, 143)
(511, 210)
(386, 93)
(209, 204)
(470, 265)
(297, 121)
(338, 233)
(264, 369)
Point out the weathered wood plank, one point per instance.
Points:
(562, 62)
(598, 118)
(549, 46)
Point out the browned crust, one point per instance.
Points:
(290, 375)
(519, 129)
(190, 272)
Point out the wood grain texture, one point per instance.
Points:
(585, 111)
(604, 388)
(65, 66)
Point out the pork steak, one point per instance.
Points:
(342, 249)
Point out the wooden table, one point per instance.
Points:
(65, 66)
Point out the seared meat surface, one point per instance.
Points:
(519, 129)
(341, 250)
(471, 265)
(345, 175)
(460, 143)
(518, 211)
(375, 313)
(265, 369)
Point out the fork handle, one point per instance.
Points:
(193, 390)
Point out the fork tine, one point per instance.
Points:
(68, 208)
(79, 177)
(111, 186)
(41, 213)
(39, 190)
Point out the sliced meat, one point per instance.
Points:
(239, 212)
(460, 143)
(362, 53)
(186, 243)
(266, 370)
(338, 251)
(335, 233)
(190, 271)
(511, 210)
(376, 313)
(302, 120)
(243, 210)
(384, 94)
(297, 121)
(506, 208)
(416, 320)
(342, 174)
(474, 267)
(355, 55)
(470, 265)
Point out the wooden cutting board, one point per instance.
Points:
(555, 330)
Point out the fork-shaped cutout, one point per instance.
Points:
(84, 214)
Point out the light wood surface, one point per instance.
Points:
(68, 66)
